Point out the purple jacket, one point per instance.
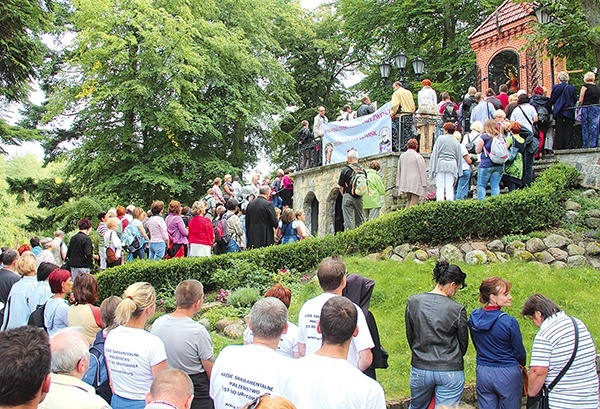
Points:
(176, 228)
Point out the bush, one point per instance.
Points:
(520, 212)
(214, 315)
(244, 297)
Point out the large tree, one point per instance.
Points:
(167, 94)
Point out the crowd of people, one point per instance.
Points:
(107, 358)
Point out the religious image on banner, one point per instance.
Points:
(368, 135)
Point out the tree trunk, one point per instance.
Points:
(237, 148)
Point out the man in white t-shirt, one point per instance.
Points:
(244, 372)
(332, 279)
(325, 379)
(170, 389)
(191, 350)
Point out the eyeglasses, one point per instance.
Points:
(256, 401)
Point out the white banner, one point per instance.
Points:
(368, 135)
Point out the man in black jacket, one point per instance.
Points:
(8, 277)
(261, 220)
(81, 252)
(305, 137)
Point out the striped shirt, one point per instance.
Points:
(552, 348)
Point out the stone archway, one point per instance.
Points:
(311, 209)
(335, 220)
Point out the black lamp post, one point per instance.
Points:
(399, 61)
(542, 15)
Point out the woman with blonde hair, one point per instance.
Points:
(138, 230)
(16, 312)
(113, 243)
(302, 229)
(200, 231)
(133, 355)
(589, 98)
(488, 171)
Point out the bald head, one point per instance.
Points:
(173, 386)
(70, 353)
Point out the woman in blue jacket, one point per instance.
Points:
(499, 344)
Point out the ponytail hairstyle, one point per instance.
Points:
(136, 298)
(445, 273)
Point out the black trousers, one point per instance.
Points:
(563, 136)
(202, 399)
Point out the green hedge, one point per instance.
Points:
(522, 211)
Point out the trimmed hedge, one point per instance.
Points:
(519, 212)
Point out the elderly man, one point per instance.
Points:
(332, 279)
(24, 368)
(352, 204)
(403, 106)
(326, 379)
(59, 248)
(70, 362)
(318, 122)
(170, 389)
(191, 350)
(366, 107)
(244, 372)
(261, 220)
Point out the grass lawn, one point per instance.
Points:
(577, 291)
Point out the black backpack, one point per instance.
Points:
(36, 319)
(544, 116)
(450, 114)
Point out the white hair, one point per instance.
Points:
(353, 154)
(563, 76)
(68, 347)
(268, 318)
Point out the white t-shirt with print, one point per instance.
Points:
(307, 328)
(130, 355)
(243, 372)
(288, 343)
(332, 383)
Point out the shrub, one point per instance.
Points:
(214, 315)
(244, 297)
(519, 212)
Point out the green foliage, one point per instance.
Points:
(213, 315)
(436, 222)
(244, 297)
(509, 238)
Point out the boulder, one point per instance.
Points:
(535, 245)
(205, 323)
(396, 257)
(590, 193)
(593, 248)
(234, 331)
(466, 247)
(387, 253)
(410, 256)
(544, 257)
(523, 255)
(417, 261)
(571, 216)
(451, 253)
(593, 213)
(572, 205)
(495, 245)
(554, 240)
(479, 245)
(225, 322)
(594, 262)
(558, 254)
(421, 255)
(373, 256)
(475, 257)
(575, 250)
(559, 265)
(576, 261)
(402, 250)
(491, 257)
(502, 257)
(592, 222)
(515, 245)
(539, 264)
(434, 252)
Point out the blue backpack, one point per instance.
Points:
(97, 374)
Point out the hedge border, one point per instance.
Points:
(519, 212)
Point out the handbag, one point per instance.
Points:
(525, 379)
(111, 255)
(540, 401)
(471, 146)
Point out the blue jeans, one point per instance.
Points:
(462, 186)
(492, 176)
(157, 250)
(232, 247)
(447, 386)
(589, 125)
(118, 402)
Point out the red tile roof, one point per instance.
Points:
(508, 12)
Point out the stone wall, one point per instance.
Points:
(316, 189)
(587, 161)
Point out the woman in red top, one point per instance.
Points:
(200, 231)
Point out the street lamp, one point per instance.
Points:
(542, 15)
(385, 68)
(399, 62)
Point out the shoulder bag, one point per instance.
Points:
(540, 401)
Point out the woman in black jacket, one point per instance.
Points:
(81, 251)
